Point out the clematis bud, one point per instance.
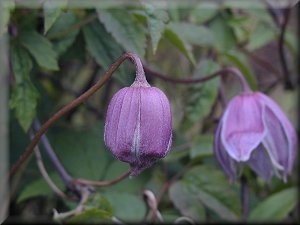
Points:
(255, 131)
(138, 126)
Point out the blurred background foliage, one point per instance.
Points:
(57, 51)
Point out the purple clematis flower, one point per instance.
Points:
(254, 130)
(138, 127)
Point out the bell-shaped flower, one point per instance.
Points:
(254, 130)
(138, 126)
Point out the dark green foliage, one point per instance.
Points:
(58, 51)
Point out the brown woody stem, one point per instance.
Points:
(29, 150)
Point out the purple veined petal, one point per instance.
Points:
(260, 162)
(112, 115)
(155, 130)
(227, 163)
(128, 123)
(286, 133)
(276, 142)
(243, 128)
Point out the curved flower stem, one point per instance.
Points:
(285, 70)
(228, 70)
(65, 176)
(45, 175)
(28, 151)
(281, 18)
(102, 183)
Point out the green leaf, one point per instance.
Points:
(100, 202)
(202, 147)
(193, 34)
(40, 48)
(185, 202)
(92, 215)
(276, 207)
(126, 207)
(211, 188)
(24, 95)
(52, 11)
(203, 12)
(24, 101)
(81, 150)
(39, 187)
(241, 62)
(201, 97)
(216, 205)
(104, 49)
(156, 19)
(125, 29)
(64, 21)
(261, 36)
(180, 44)
(21, 64)
(224, 36)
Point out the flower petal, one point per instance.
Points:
(243, 128)
(281, 140)
(226, 162)
(156, 128)
(260, 162)
(112, 115)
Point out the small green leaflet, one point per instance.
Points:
(127, 32)
(40, 48)
(24, 95)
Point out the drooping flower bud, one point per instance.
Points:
(138, 126)
(254, 130)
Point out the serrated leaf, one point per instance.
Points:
(24, 95)
(125, 29)
(24, 101)
(104, 49)
(276, 207)
(21, 64)
(180, 44)
(81, 150)
(126, 207)
(65, 21)
(156, 19)
(186, 202)
(193, 34)
(39, 187)
(52, 11)
(40, 48)
(91, 216)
